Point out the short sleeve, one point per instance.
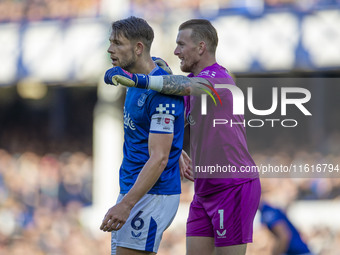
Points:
(163, 112)
(270, 217)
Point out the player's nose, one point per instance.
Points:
(110, 49)
(177, 51)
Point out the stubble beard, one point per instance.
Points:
(129, 64)
(189, 68)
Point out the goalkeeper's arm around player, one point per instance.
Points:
(167, 84)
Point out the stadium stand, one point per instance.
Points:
(46, 152)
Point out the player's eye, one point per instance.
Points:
(115, 42)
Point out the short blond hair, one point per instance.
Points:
(202, 30)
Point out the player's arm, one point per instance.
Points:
(159, 149)
(282, 238)
(179, 85)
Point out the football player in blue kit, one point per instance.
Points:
(287, 239)
(149, 176)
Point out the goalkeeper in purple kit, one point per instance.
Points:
(225, 203)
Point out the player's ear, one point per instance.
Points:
(202, 47)
(139, 48)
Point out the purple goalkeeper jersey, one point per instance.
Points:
(219, 151)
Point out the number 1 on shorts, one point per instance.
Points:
(221, 212)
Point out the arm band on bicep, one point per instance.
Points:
(162, 123)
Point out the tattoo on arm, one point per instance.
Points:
(176, 85)
(182, 86)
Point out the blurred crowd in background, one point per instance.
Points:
(46, 168)
(35, 10)
(42, 195)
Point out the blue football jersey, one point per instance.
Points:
(271, 216)
(148, 111)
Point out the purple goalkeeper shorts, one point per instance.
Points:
(226, 216)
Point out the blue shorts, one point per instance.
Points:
(148, 219)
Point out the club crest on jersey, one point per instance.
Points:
(141, 100)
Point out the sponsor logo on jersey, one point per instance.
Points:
(128, 123)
